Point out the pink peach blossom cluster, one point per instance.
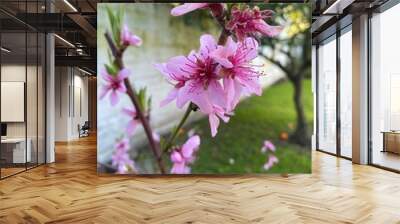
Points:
(183, 156)
(270, 149)
(213, 78)
(243, 22)
(251, 22)
(120, 157)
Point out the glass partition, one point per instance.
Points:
(346, 93)
(327, 96)
(32, 98)
(13, 94)
(22, 95)
(385, 89)
(41, 109)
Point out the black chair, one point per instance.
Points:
(84, 130)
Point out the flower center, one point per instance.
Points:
(206, 71)
(115, 85)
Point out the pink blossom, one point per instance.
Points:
(268, 145)
(128, 38)
(114, 85)
(182, 157)
(134, 120)
(120, 158)
(239, 75)
(196, 79)
(156, 137)
(216, 8)
(250, 22)
(272, 160)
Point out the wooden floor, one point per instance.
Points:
(70, 191)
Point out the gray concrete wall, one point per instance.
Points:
(71, 102)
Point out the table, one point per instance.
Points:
(18, 150)
(391, 141)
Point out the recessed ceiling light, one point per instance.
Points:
(84, 71)
(70, 5)
(64, 40)
(5, 50)
(337, 7)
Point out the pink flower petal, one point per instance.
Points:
(170, 97)
(216, 93)
(176, 157)
(268, 30)
(214, 123)
(184, 95)
(121, 87)
(180, 168)
(272, 160)
(128, 38)
(162, 67)
(222, 54)
(233, 91)
(187, 7)
(123, 74)
(252, 85)
(131, 127)
(156, 136)
(207, 44)
(202, 100)
(177, 68)
(269, 145)
(114, 98)
(107, 77)
(135, 40)
(190, 146)
(250, 46)
(104, 90)
(129, 111)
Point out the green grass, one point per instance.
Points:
(255, 119)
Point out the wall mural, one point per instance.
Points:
(204, 88)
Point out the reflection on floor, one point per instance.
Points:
(70, 191)
(10, 171)
(387, 159)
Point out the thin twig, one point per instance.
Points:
(171, 139)
(224, 32)
(132, 95)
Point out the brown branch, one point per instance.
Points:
(277, 63)
(223, 36)
(132, 95)
(224, 32)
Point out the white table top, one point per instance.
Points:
(13, 140)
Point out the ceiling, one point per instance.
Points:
(74, 22)
(330, 15)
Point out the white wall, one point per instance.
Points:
(33, 126)
(71, 93)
